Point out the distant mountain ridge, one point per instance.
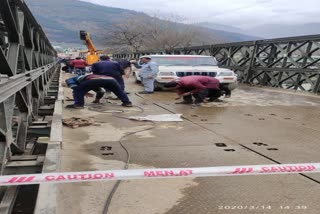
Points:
(230, 33)
(63, 19)
(270, 31)
(221, 27)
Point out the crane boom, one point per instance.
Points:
(92, 56)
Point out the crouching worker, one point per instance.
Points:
(202, 88)
(83, 84)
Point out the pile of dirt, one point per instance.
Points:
(76, 122)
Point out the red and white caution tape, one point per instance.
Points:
(67, 177)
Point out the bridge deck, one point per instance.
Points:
(259, 126)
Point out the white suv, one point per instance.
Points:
(175, 66)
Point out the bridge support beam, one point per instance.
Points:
(292, 62)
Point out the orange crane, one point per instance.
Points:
(92, 53)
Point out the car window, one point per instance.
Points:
(185, 61)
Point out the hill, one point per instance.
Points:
(281, 30)
(229, 33)
(63, 19)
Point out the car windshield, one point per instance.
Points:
(185, 61)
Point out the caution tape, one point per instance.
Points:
(69, 177)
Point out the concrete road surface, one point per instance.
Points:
(257, 126)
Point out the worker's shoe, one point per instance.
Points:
(184, 102)
(127, 104)
(145, 92)
(215, 100)
(200, 102)
(75, 106)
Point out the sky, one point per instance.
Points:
(239, 13)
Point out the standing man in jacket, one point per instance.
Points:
(148, 73)
(79, 66)
(109, 68)
(199, 87)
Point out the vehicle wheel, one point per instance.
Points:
(233, 86)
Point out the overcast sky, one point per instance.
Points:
(243, 13)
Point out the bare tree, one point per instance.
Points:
(168, 33)
(129, 34)
(140, 33)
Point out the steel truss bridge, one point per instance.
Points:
(291, 63)
(31, 95)
(29, 89)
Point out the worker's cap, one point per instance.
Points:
(171, 84)
(146, 57)
(104, 57)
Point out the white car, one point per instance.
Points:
(175, 66)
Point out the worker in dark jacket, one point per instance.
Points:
(200, 87)
(109, 68)
(83, 84)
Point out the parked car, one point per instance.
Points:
(175, 66)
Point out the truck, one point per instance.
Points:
(172, 67)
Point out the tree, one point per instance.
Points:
(128, 34)
(168, 33)
(139, 33)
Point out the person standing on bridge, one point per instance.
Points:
(202, 88)
(148, 73)
(79, 66)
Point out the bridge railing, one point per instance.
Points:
(292, 63)
(28, 64)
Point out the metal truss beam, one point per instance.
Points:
(292, 62)
(27, 66)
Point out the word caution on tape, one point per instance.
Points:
(66, 177)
